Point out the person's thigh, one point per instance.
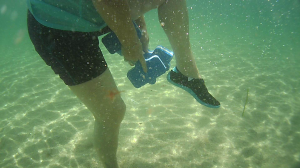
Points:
(140, 7)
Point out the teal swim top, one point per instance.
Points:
(72, 15)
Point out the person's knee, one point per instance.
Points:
(119, 110)
(112, 114)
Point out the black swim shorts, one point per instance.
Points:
(74, 56)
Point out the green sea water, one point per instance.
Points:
(238, 45)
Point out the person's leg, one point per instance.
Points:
(108, 114)
(173, 16)
(78, 60)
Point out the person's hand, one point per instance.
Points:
(133, 52)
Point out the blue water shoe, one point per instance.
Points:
(196, 87)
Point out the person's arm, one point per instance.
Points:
(145, 37)
(116, 14)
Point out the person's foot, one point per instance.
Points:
(196, 87)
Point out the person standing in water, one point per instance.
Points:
(65, 34)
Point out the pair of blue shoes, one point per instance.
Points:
(158, 62)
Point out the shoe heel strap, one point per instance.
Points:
(175, 69)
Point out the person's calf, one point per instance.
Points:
(106, 132)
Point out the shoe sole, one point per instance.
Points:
(190, 92)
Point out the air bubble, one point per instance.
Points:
(3, 9)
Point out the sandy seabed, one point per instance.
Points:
(42, 124)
